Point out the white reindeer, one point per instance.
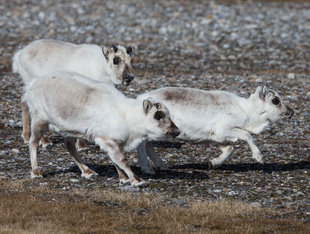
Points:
(216, 116)
(79, 107)
(112, 66)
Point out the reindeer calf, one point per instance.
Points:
(78, 107)
(216, 116)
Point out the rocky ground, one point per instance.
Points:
(208, 45)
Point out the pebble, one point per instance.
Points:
(129, 188)
(16, 151)
(255, 204)
(180, 202)
(291, 75)
(74, 180)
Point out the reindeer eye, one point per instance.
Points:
(116, 60)
(157, 105)
(159, 115)
(276, 101)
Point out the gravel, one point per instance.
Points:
(207, 45)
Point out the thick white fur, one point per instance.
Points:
(76, 106)
(217, 116)
(44, 56)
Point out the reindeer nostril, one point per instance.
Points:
(128, 79)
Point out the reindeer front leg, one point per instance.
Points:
(119, 160)
(246, 136)
(226, 152)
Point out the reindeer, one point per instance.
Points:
(78, 107)
(216, 116)
(112, 66)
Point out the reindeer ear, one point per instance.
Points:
(106, 51)
(147, 106)
(129, 51)
(115, 49)
(263, 92)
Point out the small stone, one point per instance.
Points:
(291, 75)
(16, 151)
(180, 202)
(130, 188)
(41, 16)
(231, 193)
(279, 192)
(255, 204)
(74, 180)
(223, 57)
(258, 80)
(232, 57)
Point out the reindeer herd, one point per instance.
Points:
(69, 89)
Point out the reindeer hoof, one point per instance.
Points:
(88, 174)
(148, 171)
(163, 167)
(213, 164)
(124, 181)
(138, 183)
(261, 161)
(81, 145)
(26, 139)
(45, 142)
(36, 173)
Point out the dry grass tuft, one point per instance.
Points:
(83, 211)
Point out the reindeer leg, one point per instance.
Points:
(158, 162)
(226, 152)
(37, 128)
(119, 160)
(26, 121)
(70, 145)
(144, 163)
(246, 136)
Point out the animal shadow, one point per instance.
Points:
(109, 171)
(243, 167)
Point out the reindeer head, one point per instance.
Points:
(119, 61)
(272, 106)
(159, 125)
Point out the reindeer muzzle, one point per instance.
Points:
(127, 79)
(174, 131)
